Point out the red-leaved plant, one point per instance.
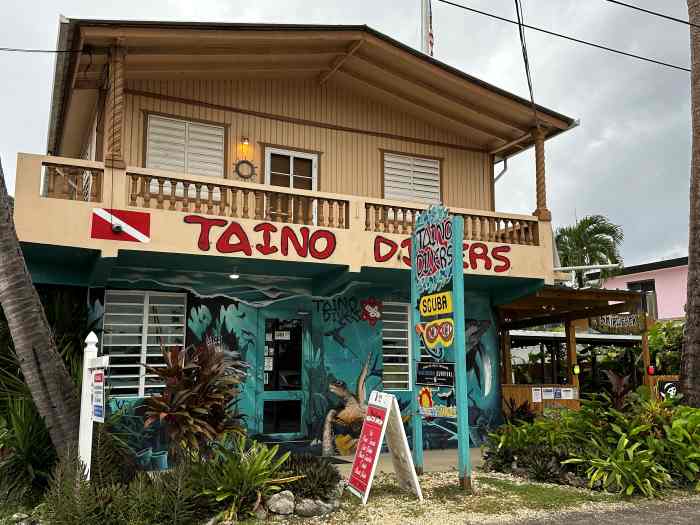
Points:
(196, 406)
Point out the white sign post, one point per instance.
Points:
(383, 419)
(92, 398)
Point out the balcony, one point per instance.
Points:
(55, 199)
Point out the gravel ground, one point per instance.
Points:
(503, 499)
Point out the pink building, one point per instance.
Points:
(668, 279)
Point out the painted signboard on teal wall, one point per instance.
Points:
(437, 322)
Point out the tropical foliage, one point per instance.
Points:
(665, 346)
(592, 240)
(240, 474)
(644, 447)
(318, 478)
(196, 406)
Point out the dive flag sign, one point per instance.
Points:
(383, 419)
(120, 225)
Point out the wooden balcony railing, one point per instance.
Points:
(227, 198)
(492, 227)
(75, 183)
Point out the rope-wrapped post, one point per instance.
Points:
(541, 212)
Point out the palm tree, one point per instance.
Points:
(47, 379)
(592, 240)
(690, 357)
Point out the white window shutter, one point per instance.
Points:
(185, 147)
(415, 179)
(396, 346)
(205, 150)
(166, 144)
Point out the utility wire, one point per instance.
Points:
(567, 37)
(655, 13)
(526, 61)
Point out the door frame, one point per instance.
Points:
(282, 395)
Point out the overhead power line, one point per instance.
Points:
(655, 13)
(567, 37)
(526, 61)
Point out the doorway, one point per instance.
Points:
(282, 397)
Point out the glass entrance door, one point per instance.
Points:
(283, 391)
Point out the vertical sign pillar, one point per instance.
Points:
(85, 428)
(437, 324)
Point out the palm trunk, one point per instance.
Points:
(690, 360)
(49, 383)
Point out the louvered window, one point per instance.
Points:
(137, 326)
(185, 147)
(414, 179)
(396, 346)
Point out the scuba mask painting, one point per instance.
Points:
(437, 333)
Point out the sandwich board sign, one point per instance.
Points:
(437, 327)
(383, 419)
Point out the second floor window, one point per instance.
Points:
(414, 179)
(185, 146)
(294, 170)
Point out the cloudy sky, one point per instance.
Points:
(629, 159)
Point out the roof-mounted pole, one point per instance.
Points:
(426, 27)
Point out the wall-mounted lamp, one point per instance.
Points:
(576, 369)
(245, 141)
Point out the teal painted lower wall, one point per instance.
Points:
(338, 345)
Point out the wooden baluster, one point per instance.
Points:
(267, 203)
(198, 197)
(299, 214)
(185, 196)
(210, 199)
(477, 228)
(385, 219)
(310, 205)
(159, 197)
(278, 207)
(517, 232)
(145, 192)
(234, 202)
(223, 199)
(507, 231)
(377, 222)
(331, 213)
(245, 203)
(258, 211)
(321, 211)
(492, 229)
(290, 208)
(172, 201)
(134, 189)
(368, 221)
(529, 238)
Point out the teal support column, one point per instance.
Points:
(416, 419)
(460, 356)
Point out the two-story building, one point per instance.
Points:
(255, 186)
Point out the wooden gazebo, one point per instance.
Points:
(561, 305)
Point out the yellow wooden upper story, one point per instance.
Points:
(345, 130)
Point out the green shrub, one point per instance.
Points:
(319, 479)
(644, 447)
(240, 474)
(169, 498)
(112, 460)
(30, 455)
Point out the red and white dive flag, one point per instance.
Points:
(121, 225)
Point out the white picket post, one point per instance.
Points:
(85, 432)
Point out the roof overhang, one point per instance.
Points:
(483, 116)
(557, 304)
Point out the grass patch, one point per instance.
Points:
(539, 496)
